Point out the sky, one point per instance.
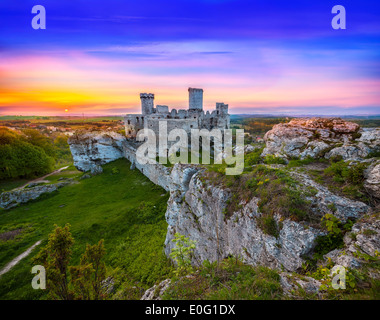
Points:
(258, 56)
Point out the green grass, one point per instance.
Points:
(70, 172)
(231, 280)
(124, 209)
(6, 185)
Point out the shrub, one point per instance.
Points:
(182, 253)
(271, 159)
(268, 224)
(82, 282)
(19, 158)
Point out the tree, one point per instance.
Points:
(19, 158)
(182, 254)
(81, 282)
(55, 257)
(91, 272)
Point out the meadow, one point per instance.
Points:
(120, 206)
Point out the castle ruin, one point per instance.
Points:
(192, 118)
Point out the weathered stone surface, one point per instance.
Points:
(196, 211)
(92, 149)
(320, 137)
(367, 237)
(340, 257)
(96, 169)
(156, 292)
(372, 179)
(291, 284)
(349, 152)
(10, 199)
(371, 137)
(323, 199)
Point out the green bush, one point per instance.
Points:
(341, 172)
(271, 159)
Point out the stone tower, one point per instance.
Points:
(147, 103)
(195, 99)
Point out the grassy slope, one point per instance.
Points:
(107, 207)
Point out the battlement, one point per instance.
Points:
(146, 96)
(192, 118)
(221, 108)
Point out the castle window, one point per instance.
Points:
(129, 121)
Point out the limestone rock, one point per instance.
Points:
(340, 257)
(372, 179)
(156, 292)
(92, 149)
(291, 284)
(367, 237)
(323, 199)
(10, 199)
(96, 169)
(198, 214)
(320, 137)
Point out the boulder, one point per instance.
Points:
(372, 179)
(90, 149)
(13, 198)
(196, 210)
(321, 137)
(156, 292)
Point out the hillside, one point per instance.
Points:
(120, 206)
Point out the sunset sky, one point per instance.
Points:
(277, 56)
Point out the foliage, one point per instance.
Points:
(229, 280)
(31, 153)
(272, 159)
(109, 207)
(55, 257)
(342, 171)
(19, 158)
(182, 253)
(87, 278)
(334, 239)
(253, 157)
(64, 282)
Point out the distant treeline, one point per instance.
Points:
(31, 153)
(20, 123)
(368, 123)
(258, 126)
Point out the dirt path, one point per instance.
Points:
(42, 178)
(16, 260)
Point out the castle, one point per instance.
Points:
(192, 118)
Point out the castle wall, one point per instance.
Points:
(157, 173)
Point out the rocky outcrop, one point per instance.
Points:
(92, 149)
(321, 137)
(291, 284)
(372, 179)
(323, 200)
(196, 210)
(157, 291)
(13, 198)
(361, 245)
